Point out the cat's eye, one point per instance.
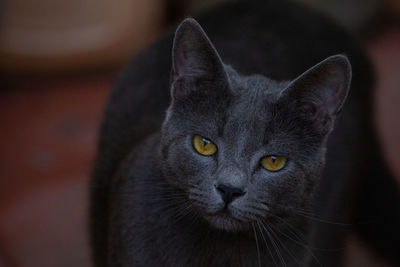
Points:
(204, 146)
(273, 163)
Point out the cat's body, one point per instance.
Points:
(140, 214)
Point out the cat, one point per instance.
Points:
(244, 167)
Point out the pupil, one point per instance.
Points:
(205, 142)
(273, 159)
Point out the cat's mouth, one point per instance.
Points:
(225, 220)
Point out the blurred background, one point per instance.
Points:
(58, 60)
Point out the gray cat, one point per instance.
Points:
(235, 173)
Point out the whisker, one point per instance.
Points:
(323, 220)
(274, 245)
(302, 236)
(299, 241)
(183, 213)
(309, 215)
(161, 198)
(270, 227)
(258, 249)
(255, 210)
(266, 243)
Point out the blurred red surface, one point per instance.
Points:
(385, 54)
(49, 133)
(48, 144)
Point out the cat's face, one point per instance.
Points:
(246, 149)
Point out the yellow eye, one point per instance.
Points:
(273, 163)
(204, 146)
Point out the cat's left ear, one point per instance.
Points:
(194, 59)
(319, 93)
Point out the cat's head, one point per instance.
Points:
(246, 148)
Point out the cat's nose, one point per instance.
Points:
(229, 193)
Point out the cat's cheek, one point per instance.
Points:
(186, 168)
(267, 178)
(272, 186)
(174, 167)
(207, 198)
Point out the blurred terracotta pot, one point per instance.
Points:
(49, 35)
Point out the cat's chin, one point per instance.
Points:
(225, 221)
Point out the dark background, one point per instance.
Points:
(58, 60)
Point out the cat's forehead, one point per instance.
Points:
(253, 95)
(251, 110)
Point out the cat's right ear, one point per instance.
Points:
(319, 93)
(194, 59)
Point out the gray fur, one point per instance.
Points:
(247, 117)
(152, 193)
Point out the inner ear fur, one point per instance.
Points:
(319, 93)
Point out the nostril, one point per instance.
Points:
(238, 194)
(229, 193)
(221, 189)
